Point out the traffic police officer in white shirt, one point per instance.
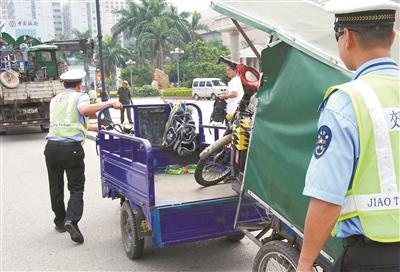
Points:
(235, 91)
(353, 176)
(64, 152)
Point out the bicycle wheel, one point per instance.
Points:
(215, 165)
(276, 256)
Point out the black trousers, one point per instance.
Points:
(68, 158)
(128, 113)
(360, 255)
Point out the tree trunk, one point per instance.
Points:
(161, 57)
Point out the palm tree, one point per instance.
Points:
(195, 26)
(155, 26)
(160, 36)
(114, 55)
(181, 22)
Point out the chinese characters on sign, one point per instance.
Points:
(27, 23)
(13, 23)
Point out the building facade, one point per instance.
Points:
(81, 15)
(41, 19)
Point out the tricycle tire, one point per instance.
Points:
(44, 129)
(133, 245)
(202, 164)
(285, 257)
(235, 238)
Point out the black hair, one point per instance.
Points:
(373, 35)
(71, 84)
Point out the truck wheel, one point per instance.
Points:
(213, 96)
(276, 256)
(44, 129)
(196, 97)
(133, 245)
(236, 237)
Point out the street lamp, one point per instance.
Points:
(130, 63)
(177, 51)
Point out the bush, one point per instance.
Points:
(145, 90)
(140, 76)
(114, 93)
(184, 92)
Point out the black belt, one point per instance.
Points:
(63, 143)
(357, 240)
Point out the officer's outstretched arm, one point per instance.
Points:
(320, 220)
(93, 108)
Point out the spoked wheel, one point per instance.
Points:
(133, 245)
(276, 256)
(215, 165)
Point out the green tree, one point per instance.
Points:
(199, 60)
(156, 26)
(83, 57)
(159, 36)
(140, 75)
(113, 55)
(195, 26)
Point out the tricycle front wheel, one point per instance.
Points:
(131, 240)
(276, 256)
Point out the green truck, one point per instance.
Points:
(25, 96)
(30, 79)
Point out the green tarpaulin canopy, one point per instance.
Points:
(297, 71)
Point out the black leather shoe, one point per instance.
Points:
(60, 229)
(74, 231)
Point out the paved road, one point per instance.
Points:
(29, 242)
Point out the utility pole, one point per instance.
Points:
(107, 116)
(100, 38)
(177, 51)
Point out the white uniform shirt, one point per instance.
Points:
(234, 85)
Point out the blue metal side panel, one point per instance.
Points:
(127, 170)
(157, 239)
(195, 221)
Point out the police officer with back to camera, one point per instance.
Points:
(353, 176)
(64, 152)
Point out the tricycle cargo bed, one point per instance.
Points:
(174, 189)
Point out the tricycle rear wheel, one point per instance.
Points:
(276, 256)
(132, 242)
(235, 237)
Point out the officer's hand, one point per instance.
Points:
(117, 105)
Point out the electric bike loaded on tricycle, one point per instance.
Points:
(225, 159)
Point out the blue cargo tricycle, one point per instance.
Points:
(171, 209)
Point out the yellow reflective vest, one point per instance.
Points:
(64, 115)
(374, 194)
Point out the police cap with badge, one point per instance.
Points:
(362, 13)
(74, 75)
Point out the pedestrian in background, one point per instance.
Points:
(64, 151)
(125, 97)
(353, 178)
(106, 120)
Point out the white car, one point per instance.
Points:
(208, 88)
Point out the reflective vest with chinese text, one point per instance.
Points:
(374, 193)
